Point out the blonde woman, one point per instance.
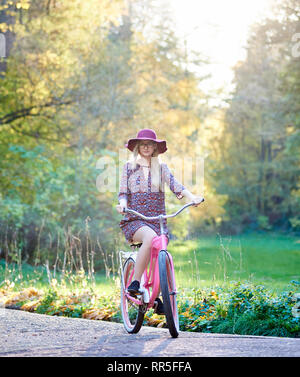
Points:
(142, 189)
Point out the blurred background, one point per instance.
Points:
(215, 79)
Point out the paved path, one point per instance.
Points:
(30, 334)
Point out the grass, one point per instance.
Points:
(38, 277)
(271, 260)
(238, 285)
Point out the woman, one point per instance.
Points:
(142, 189)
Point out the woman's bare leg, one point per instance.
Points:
(144, 234)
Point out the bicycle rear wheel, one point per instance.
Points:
(132, 314)
(168, 290)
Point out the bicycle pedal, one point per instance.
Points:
(156, 309)
(155, 305)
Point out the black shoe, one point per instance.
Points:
(159, 309)
(133, 288)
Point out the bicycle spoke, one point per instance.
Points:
(132, 314)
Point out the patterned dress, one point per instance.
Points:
(141, 197)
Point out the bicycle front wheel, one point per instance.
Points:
(132, 314)
(168, 290)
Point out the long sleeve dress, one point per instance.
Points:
(136, 189)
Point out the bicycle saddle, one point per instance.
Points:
(137, 245)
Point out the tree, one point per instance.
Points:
(259, 174)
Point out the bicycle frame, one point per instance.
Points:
(150, 278)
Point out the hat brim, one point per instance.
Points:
(161, 144)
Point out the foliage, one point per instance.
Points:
(255, 310)
(230, 307)
(243, 308)
(264, 258)
(79, 79)
(257, 166)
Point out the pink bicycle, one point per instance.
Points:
(160, 272)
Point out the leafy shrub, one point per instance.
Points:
(253, 310)
(241, 308)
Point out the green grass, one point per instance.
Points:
(238, 285)
(272, 260)
(36, 276)
(269, 259)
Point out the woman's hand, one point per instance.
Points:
(197, 200)
(120, 207)
(193, 198)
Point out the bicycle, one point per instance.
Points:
(159, 272)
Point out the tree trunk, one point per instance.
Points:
(9, 37)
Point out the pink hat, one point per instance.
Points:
(147, 134)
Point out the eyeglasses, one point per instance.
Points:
(150, 144)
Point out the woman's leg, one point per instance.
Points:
(144, 234)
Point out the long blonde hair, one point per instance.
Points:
(155, 167)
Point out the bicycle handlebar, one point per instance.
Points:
(159, 216)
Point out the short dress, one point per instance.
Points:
(136, 189)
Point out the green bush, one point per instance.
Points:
(239, 308)
(243, 309)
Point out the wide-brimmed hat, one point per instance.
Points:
(147, 134)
